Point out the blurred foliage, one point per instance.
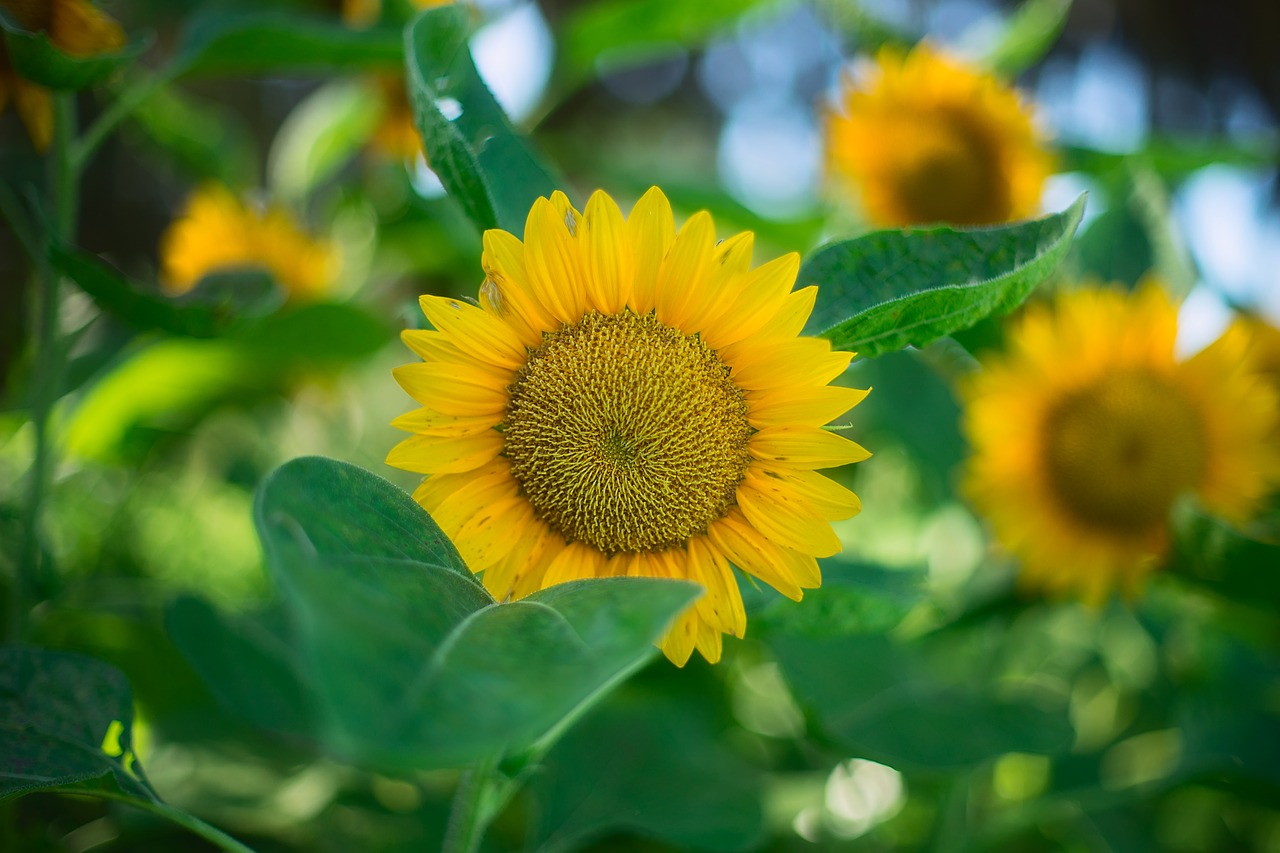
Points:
(312, 669)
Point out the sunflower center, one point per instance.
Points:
(951, 173)
(1120, 452)
(626, 434)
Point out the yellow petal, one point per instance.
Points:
(723, 599)
(453, 389)
(488, 536)
(552, 263)
(577, 561)
(731, 260)
(799, 361)
(606, 254)
(429, 422)
(750, 551)
(681, 285)
(678, 642)
(431, 346)
(474, 331)
(709, 642)
(506, 292)
(831, 500)
(764, 291)
(430, 454)
(651, 228)
(452, 499)
(805, 447)
(805, 405)
(784, 517)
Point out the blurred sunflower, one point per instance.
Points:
(396, 134)
(929, 139)
(630, 401)
(75, 27)
(217, 232)
(1086, 433)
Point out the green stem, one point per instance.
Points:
(209, 833)
(482, 793)
(128, 101)
(47, 372)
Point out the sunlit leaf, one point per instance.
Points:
(891, 289)
(320, 135)
(487, 167)
(853, 598)
(257, 43)
(65, 719)
(35, 58)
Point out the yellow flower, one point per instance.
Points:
(217, 232)
(75, 27)
(929, 139)
(1086, 433)
(630, 401)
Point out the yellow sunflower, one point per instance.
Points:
(75, 27)
(217, 232)
(929, 139)
(1086, 433)
(627, 400)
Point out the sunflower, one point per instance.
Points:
(75, 27)
(396, 134)
(217, 232)
(929, 139)
(627, 400)
(1086, 433)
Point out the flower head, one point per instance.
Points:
(929, 139)
(627, 400)
(1086, 434)
(77, 28)
(217, 232)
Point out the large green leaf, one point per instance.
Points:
(487, 167)
(57, 711)
(890, 289)
(410, 662)
(665, 774)
(35, 58)
(261, 42)
(855, 598)
(873, 696)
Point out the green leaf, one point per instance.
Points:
(268, 42)
(247, 663)
(855, 598)
(321, 135)
(891, 289)
(487, 167)
(1029, 34)
(1212, 554)
(114, 294)
(873, 696)
(65, 719)
(412, 663)
(35, 58)
(640, 28)
(204, 138)
(664, 774)
(314, 334)
(327, 508)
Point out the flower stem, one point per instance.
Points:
(482, 793)
(47, 371)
